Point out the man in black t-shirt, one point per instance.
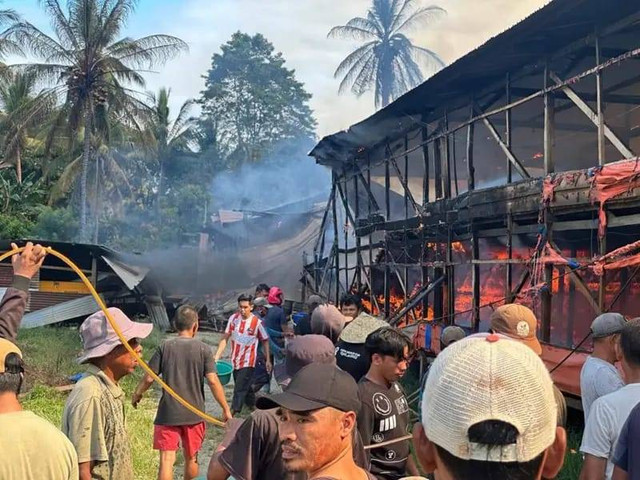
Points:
(384, 415)
(184, 363)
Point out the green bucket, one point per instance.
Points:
(224, 371)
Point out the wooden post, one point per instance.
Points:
(335, 238)
(602, 247)
(387, 280)
(446, 159)
(451, 288)
(425, 162)
(356, 192)
(347, 284)
(509, 269)
(601, 145)
(369, 211)
(387, 186)
(475, 280)
(549, 165)
(405, 269)
(507, 136)
(94, 271)
(437, 168)
(470, 168)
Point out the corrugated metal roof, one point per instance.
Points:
(80, 307)
(157, 312)
(131, 275)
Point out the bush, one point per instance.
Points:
(13, 227)
(58, 224)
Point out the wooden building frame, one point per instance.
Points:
(555, 78)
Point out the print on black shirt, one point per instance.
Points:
(384, 416)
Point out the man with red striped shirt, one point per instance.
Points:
(245, 331)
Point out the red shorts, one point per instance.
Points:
(167, 437)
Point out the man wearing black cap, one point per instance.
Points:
(252, 451)
(317, 422)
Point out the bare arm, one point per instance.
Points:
(619, 474)
(265, 348)
(221, 346)
(218, 394)
(216, 471)
(143, 386)
(85, 470)
(593, 468)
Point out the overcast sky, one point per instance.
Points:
(298, 28)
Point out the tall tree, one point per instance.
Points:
(16, 96)
(170, 138)
(388, 61)
(90, 70)
(256, 101)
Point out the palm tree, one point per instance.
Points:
(17, 95)
(90, 72)
(388, 61)
(170, 138)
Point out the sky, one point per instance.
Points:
(298, 29)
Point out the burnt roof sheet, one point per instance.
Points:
(542, 33)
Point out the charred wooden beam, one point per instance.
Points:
(549, 133)
(470, 168)
(335, 239)
(415, 300)
(520, 168)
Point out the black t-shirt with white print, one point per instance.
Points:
(384, 415)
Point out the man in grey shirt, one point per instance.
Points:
(599, 376)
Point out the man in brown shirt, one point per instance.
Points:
(93, 416)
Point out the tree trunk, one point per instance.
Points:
(96, 231)
(18, 165)
(86, 150)
(160, 187)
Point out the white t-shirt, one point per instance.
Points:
(605, 421)
(597, 379)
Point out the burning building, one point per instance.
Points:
(511, 175)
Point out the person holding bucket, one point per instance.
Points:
(184, 363)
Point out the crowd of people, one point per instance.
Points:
(322, 398)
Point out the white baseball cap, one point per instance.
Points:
(489, 377)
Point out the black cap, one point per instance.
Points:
(316, 386)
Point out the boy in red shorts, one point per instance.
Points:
(184, 363)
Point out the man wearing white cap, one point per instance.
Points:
(93, 416)
(504, 424)
(599, 376)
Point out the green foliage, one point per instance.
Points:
(255, 100)
(387, 62)
(58, 224)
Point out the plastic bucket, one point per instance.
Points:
(224, 371)
(296, 317)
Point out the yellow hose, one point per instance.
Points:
(124, 341)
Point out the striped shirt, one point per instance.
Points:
(245, 335)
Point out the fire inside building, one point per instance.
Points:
(510, 176)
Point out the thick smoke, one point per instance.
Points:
(260, 187)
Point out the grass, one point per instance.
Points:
(50, 359)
